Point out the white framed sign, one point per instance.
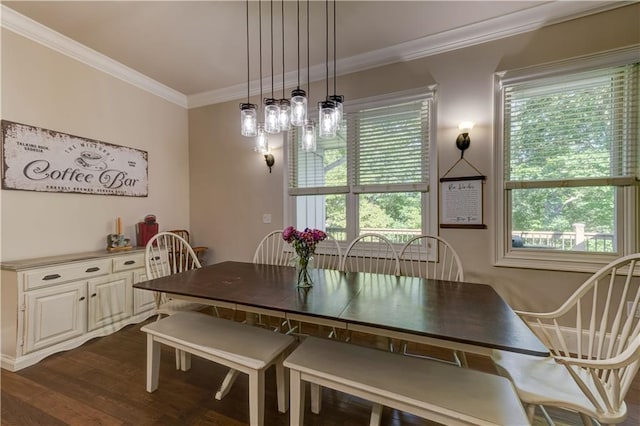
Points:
(461, 202)
(36, 159)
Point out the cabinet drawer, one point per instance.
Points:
(44, 277)
(128, 262)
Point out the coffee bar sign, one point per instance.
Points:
(35, 159)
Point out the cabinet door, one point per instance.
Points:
(54, 315)
(109, 299)
(143, 300)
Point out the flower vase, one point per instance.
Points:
(303, 268)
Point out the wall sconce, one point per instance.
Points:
(463, 141)
(270, 160)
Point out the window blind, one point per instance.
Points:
(577, 130)
(382, 149)
(323, 171)
(389, 148)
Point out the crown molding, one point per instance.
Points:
(32, 30)
(527, 20)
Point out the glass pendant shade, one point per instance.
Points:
(262, 140)
(338, 101)
(271, 116)
(285, 114)
(327, 119)
(298, 107)
(309, 136)
(248, 119)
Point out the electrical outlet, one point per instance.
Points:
(266, 218)
(630, 306)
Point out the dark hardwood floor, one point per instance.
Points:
(103, 383)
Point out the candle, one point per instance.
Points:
(119, 226)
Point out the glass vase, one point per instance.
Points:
(303, 271)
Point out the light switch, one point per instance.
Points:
(266, 218)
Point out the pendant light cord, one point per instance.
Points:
(272, 96)
(248, 74)
(308, 78)
(326, 44)
(298, 19)
(260, 39)
(282, 17)
(334, 48)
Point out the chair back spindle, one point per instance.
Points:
(372, 253)
(273, 250)
(429, 256)
(596, 333)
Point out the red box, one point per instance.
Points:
(144, 232)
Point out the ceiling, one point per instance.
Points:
(197, 49)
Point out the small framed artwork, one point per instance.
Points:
(462, 202)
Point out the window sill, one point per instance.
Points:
(553, 260)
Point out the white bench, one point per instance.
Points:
(244, 348)
(426, 388)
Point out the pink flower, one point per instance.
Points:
(288, 233)
(304, 242)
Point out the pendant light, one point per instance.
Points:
(262, 138)
(326, 108)
(298, 96)
(248, 111)
(284, 103)
(309, 129)
(271, 108)
(338, 100)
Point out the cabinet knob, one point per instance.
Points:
(129, 262)
(82, 298)
(51, 277)
(94, 269)
(94, 295)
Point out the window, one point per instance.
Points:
(568, 166)
(372, 177)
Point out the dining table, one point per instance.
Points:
(470, 317)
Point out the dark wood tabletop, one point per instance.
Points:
(466, 313)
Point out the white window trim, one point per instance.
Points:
(430, 199)
(628, 232)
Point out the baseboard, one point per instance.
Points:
(18, 363)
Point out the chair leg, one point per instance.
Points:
(461, 359)
(153, 363)
(531, 412)
(376, 414)
(226, 384)
(256, 398)
(586, 420)
(297, 390)
(546, 415)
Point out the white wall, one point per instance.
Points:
(232, 188)
(43, 88)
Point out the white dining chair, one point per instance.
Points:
(594, 340)
(328, 254)
(166, 254)
(273, 250)
(430, 256)
(373, 253)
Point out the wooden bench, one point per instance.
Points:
(426, 388)
(244, 348)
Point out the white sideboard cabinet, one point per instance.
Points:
(58, 303)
